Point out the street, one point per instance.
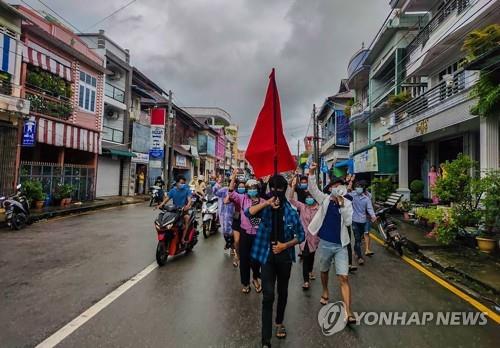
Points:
(53, 271)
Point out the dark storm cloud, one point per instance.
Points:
(220, 52)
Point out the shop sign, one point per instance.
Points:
(140, 157)
(422, 127)
(180, 161)
(366, 161)
(29, 132)
(157, 137)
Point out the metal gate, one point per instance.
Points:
(8, 141)
(81, 177)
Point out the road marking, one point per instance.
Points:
(478, 305)
(73, 325)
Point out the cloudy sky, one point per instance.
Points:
(220, 52)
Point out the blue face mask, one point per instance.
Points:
(253, 193)
(303, 186)
(359, 190)
(309, 201)
(241, 190)
(212, 183)
(182, 186)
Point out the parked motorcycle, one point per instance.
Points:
(156, 195)
(169, 227)
(196, 201)
(209, 215)
(17, 212)
(389, 231)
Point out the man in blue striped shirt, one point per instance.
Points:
(362, 211)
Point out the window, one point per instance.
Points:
(87, 92)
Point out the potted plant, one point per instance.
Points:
(34, 193)
(417, 189)
(397, 100)
(490, 211)
(62, 194)
(405, 206)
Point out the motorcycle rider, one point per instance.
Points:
(180, 194)
(160, 183)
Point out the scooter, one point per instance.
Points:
(169, 227)
(17, 211)
(197, 201)
(209, 215)
(389, 231)
(156, 195)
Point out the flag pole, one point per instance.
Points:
(275, 114)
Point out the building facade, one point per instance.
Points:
(64, 80)
(14, 110)
(435, 126)
(115, 160)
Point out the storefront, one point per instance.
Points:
(139, 164)
(110, 168)
(182, 163)
(378, 158)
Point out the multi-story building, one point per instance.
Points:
(64, 80)
(14, 110)
(437, 125)
(376, 76)
(206, 150)
(335, 131)
(114, 162)
(218, 118)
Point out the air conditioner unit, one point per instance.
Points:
(111, 114)
(448, 78)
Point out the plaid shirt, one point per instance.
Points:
(292, 229)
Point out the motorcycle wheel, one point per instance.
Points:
(162, 253)
(399, 248)
(18, 221)
(151, 202)
(206, 232)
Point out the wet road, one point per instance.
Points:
(52, 272)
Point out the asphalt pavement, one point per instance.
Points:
(51, 272)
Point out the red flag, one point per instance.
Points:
(268, 151)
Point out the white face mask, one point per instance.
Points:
(359, 190)
(338, 191)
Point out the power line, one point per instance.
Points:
(112, 14)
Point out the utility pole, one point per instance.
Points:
(171, 123)
(298, 153)
(316, 143)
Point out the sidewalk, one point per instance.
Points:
(478, 272)
(99, 203)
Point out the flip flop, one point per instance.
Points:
(246, 289)
(281, 332)
(324, 300)
(312, 276)
(351, 320)
(306, 286)
(369, 253)
(258, 287)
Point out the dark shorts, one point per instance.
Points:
(237, 224)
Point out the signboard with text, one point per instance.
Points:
(29, 132)
(366, 161)
(157, 139)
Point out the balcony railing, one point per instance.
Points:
(433, 97)
(439, 17)
(114, 93)
(5, 87)
(111, 134)
(44, 104)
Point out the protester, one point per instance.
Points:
(240, 190)
(331, 221)
(362, 210)
(308, 248)
(301, 189)
(180, 194)
(226, 217)
(247, 233)
(274, 245)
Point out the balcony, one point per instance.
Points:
(357, 70)
(438, 98)
(111, 134)
(44, 104)
(452, 7)
(114, 93)
(5, 86)
(329, 142)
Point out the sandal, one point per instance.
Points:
(369, 253)
(361, 261)
(351, 320)
(235, 263)
(324, 300)
(306, 286)
(246, 289)
(312, 276)
(281, 331)
(258, 287)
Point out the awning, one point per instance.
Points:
(65, 135)
(118, 153)
(379, 158)
(181, 151)
(347, 163)
(52, 63)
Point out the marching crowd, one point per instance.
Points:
(263, 220)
